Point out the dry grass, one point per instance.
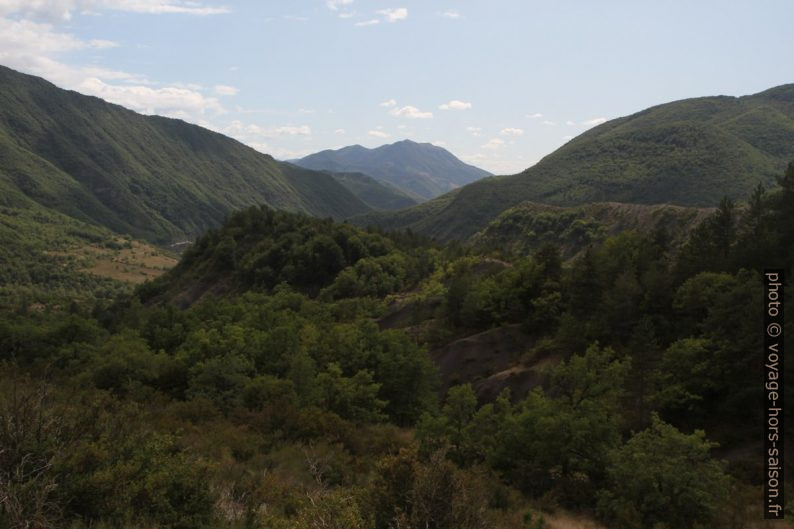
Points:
(566, 520)
(133, 264)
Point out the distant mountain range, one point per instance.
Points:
(165, 180)
(689, 153)
(152, 177)
(420, 169)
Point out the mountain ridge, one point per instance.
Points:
(419, 169)
(156, 178)
(690, 152)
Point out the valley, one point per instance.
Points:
(194, 334)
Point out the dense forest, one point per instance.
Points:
(258, 383)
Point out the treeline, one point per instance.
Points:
(252, 386)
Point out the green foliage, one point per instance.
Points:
(259, 248)
(331, 511)
(353, 398)
(247, 389)
(37, 265)
(528, 227)
(68, 457)
(561, 441)
(370, 277)
(411, 493)
(663, 478)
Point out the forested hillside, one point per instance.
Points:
(528, 227)
(687, 153)
(151, 177)
(298, 373)
(377, 195)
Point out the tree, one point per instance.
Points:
(710, 245)
(354, 398)
(561, 441)
(645, 351)
(409, 493)
(662, 478)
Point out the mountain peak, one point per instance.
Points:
(423, 170)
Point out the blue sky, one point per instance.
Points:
(498, 83)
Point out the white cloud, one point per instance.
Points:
(511, 131)
(594, 121)
(475, 131)
(410, 112)
(102, 44)
(493, 143)
(570, 123)
(147, 100)
(157, 7)
(536, 115)
(389, 103)
(496, 163)
(455, 105)
(225, 90)
(189, 86)
(253, 135)
(25, 37)
(347, 14)
(339, 131)
(472, 158)
(63, 9)
(370, 22)
(34, 47)
(279, 153)
(451, 13)
(547, 122)
(333, 5)
(378, 134)
(439, 143)
(393, 15)
(567, 137)
(291, 130)
(242, 131)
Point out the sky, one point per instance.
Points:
(499, 83)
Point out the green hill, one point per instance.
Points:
(526, 228)
(259, 249)
(688, 153)
(152, 177)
